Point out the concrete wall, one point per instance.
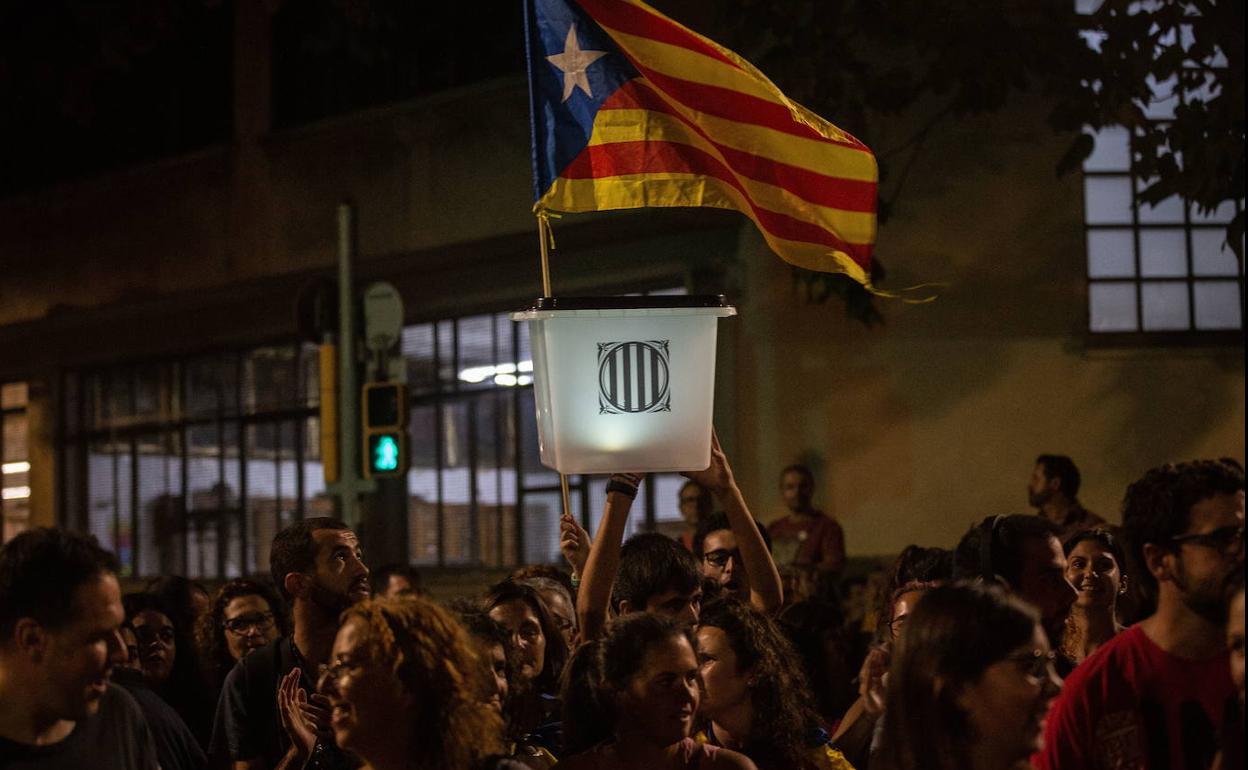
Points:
(918, 428)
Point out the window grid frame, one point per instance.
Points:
(1138, 280)
(178, 416)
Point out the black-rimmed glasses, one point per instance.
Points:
(261, 621)
(1226, 540)
(1035, 663)
(720, 556)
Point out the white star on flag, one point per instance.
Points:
(573, 62)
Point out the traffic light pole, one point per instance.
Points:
(349, 485)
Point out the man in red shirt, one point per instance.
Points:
(1153, 696)
(807, 545)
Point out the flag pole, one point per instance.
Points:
(543, 237)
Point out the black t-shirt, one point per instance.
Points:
(114, 738)
(175, 745)
(247, 724)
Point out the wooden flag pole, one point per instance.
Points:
(543, 236)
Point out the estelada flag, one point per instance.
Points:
(631, 109)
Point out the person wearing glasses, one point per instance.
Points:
(723, 562)
(318, 567)
(245, 615)
(859, 733)
(1154, 695)
(970, 683)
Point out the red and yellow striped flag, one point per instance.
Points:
(631, 109)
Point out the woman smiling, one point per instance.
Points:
(404, 690)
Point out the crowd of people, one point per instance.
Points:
(1050, 640)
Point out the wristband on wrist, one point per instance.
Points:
(623, 487)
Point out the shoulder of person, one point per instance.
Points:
(259, 665)
(117, 701)
(1109, 661)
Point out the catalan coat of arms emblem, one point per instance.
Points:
(634, 377)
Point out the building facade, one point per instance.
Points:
(169, 400)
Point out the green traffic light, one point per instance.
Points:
(385, 453)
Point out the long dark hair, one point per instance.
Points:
(954, 634)
(183, 690)
(602, 668)
(214, 653)
(556, 649)
(783, 707)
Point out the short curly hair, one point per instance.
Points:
(210, 629)
(435, 660)
(1158, 506)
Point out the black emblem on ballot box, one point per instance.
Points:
(633, 377)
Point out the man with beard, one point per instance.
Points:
(1153, 696)
(1054, 492)
(1022, 554)
(319, 570)
(60, 613)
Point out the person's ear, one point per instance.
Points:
(295, 583)
(1158, 562)
(1122, 585)
(32, 639)
(626, 607)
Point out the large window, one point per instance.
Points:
(1161, 268)
(191, 466)
(14, 461)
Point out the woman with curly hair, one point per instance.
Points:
(756, 697)
(404, 688)
(244, 615)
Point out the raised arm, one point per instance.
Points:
(766, 590)
(594, 595)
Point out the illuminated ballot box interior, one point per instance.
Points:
(624, 383)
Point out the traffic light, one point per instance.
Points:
(385, 429)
